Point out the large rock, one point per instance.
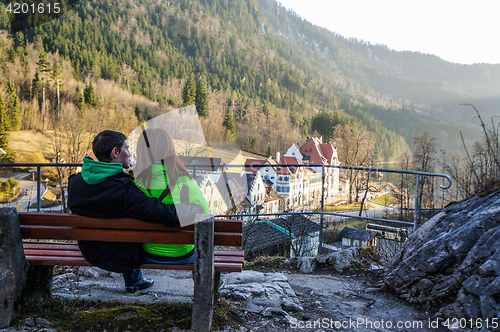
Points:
(13, 266)
(454, 258)
(339, 260)
(259, 291)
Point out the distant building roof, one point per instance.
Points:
(317, 152)
(357, 234)
(254, 169)
(290, 160)
(189, 160)
(297, 224)
(263, 234)
(267, 233)
(284, 170)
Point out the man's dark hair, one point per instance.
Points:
(104, 143)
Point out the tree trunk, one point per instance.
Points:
(43, 103)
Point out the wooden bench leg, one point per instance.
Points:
(204, 274)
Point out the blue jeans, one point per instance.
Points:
(132, 278)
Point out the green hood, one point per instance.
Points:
(94, 172)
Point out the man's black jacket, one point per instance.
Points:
(116, 197)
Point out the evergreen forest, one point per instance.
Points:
(259, 75)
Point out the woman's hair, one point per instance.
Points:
(154, 145)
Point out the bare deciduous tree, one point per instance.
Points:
(423, 161)
(71, 143)
(355, 148)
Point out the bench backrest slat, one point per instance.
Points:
(113, 235)
(73, 220)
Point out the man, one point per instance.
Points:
(104, 190)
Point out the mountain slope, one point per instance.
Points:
(270, 67)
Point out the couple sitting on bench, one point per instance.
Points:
(161, 191)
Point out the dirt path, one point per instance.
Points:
(346, 302)
(331, 301)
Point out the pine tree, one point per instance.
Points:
(201, 97)
(189, 92)
(4, 121)
(4, 135)
(36, 86)
(4, 118)
(89, 95)
(138, 114)
(229, 123)
(14, 109)
(81, 104)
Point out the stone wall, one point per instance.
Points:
(453, 261)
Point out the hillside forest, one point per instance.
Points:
(260, 76)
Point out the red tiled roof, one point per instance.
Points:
(284, 170)
(319, 153)
(327, 150)
(290, 160)
(253, 169)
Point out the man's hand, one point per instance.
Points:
(187, 213)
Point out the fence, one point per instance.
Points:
(322, 213)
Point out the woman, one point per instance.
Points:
(159, 173)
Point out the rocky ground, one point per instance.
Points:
(284, 300)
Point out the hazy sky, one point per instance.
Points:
(455, 30)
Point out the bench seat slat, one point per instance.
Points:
(137, 236)
(73, 220)
(79, 261)
(53, 253)
(77, 253)
(64, 246)
(49, 246)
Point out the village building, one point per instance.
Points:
(215, 165)
(233, 189)
(314, 151)
(216, 203)
(290, 183)
(265, 168)
(272, 202)
(353, 237)
(294, 236)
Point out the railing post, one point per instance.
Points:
(320, 248)
(415, 213)
(38, 187)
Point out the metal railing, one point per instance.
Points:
(322, 213)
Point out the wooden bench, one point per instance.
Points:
(205, 234)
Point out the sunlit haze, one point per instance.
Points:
(456, 31)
